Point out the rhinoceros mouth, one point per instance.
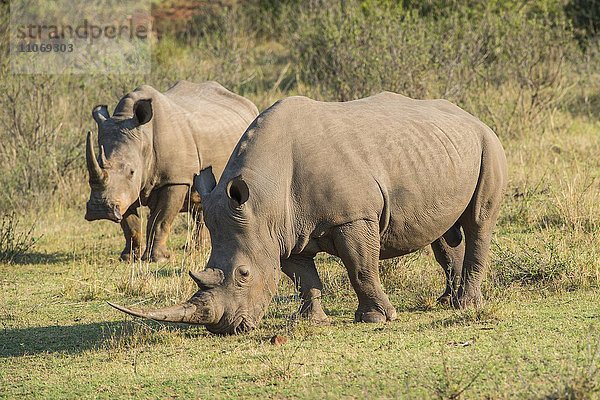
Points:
(236, 326)
(111, 214)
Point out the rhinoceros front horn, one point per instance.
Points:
(187, 313)
(199, 310)
(97, 174)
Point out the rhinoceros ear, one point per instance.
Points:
(205, 181)
(142, 111)
(100, 114)
(238, 191)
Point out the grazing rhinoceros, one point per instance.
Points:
(150, 150)
(364, 180)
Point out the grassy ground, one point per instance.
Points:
(60, 338)
(538, 336)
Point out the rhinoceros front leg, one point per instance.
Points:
(134, 238)
(302, 270)
(163, 211)
(357, 244)
(451, 261)
(193, 205)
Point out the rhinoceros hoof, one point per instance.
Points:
(313, 319)
(128, 256)
(313, 313)
(157, 256)
(316, 317)
(375, 315)
(159, 259)
(468, 300)
(320, 321)
(445, 300)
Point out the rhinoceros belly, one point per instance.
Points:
(427, 192)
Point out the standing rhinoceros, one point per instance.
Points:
(364, 180)
(150, 150)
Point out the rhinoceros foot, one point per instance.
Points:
(376, 314)
(468, 299)
(444, 300)
(313, 313)
(128, 255)
(157, 254)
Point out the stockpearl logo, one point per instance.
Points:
(75, 36)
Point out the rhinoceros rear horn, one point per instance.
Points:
(97, 174)
(100, 114)
(207, 279)
(187, 313)
(142, 111)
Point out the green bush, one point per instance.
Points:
(512, 65)
(585, 17)
(495, 61)
(15, 242)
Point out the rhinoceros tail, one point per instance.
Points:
(453, 236)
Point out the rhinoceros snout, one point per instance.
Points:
(94, 212)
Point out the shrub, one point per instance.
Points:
(545, 260)
(585, 16)
(495, 61)
(14, 241)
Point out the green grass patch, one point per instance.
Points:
(61, 340)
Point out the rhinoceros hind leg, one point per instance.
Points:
(357, 244)
(474, 269)
(302, 270)
(451, 260)
(478, 222)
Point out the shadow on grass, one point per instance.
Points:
(44, 258)
(75, 339)
(58, 339)
(168, 272)
(485, 318)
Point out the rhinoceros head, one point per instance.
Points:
(116, 176)
(242, 272)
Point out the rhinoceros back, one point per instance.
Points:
(413, 165)
(194, 125)
(217, 120)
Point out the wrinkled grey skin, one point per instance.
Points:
(150, 150)
(363, 180)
